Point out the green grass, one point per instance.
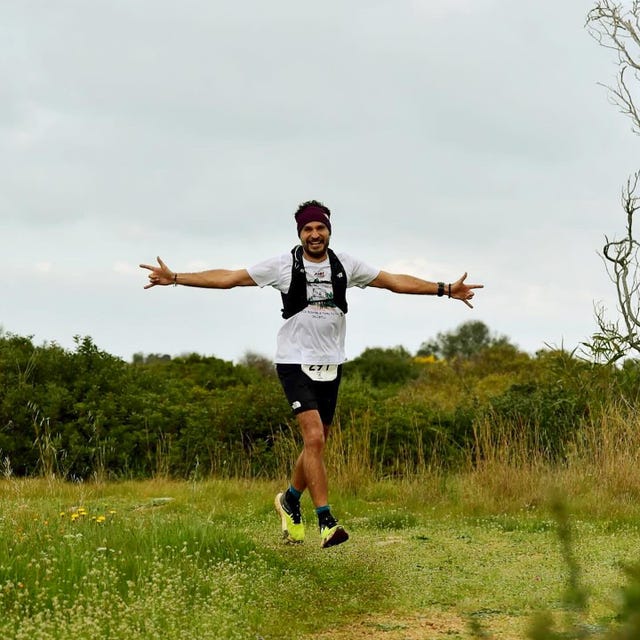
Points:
(160, 559)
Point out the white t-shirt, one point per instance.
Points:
(316, 334)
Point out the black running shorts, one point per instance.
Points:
(304, 394)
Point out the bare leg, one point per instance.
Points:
(309, 471)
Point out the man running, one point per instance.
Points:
(313, 281)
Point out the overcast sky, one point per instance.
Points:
(445, 135)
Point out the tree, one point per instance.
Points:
(259, 363)
(617, 27)
(468, 339)
(383, 367)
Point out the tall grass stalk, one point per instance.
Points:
(44, 442)
(600, 468)
(504, 464)
(286, 449)
(348, 453)
(608, 447)
(498, 441)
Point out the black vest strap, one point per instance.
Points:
(295, 300)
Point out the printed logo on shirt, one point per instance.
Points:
(320, 275)
(296, 405)
(319, 288)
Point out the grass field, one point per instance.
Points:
(427, 559)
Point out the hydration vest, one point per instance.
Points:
(295, 300)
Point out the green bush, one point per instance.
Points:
(381, 367)
(83, 412)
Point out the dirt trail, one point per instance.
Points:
(422, 626)
(415, 627)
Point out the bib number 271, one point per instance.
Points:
(321, 372)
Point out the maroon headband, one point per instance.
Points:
(312, 214)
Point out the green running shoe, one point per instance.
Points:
(330, 536)
(291, 519)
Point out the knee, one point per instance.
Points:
(313, 431)
(314, 441)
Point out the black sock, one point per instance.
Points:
(290, 498)
(326, 519)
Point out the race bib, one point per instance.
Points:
(321, 372)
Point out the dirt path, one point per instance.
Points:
(415, 627)
(422, 626)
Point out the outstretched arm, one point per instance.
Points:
(401, 283)
(211, 279)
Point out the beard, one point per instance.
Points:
(316, 250)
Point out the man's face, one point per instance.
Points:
(314, 238)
